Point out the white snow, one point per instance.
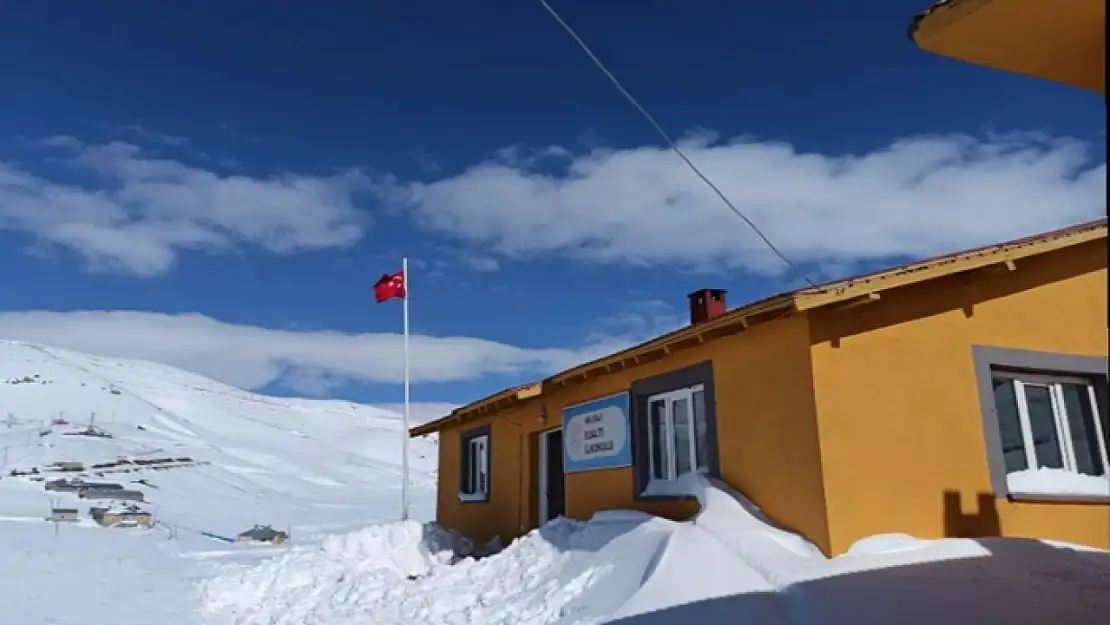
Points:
(1045, 481)
(727, 565)
(328, 473)
(312, 468)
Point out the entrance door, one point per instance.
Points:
(551, 496)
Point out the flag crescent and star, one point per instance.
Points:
(389, 286)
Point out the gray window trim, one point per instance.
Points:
(638, 393)
(464, 440)
(987, 358)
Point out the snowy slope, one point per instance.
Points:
(207, 458)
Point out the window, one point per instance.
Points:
(474, 473)
(674, 431)
(677, 435)
(1052, 437)
(1044, 423)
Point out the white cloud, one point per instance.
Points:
(915, 197)
(141, 133)
(142, 210)
(312, 362)
(480, 262)
(639, 319)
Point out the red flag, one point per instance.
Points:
(389, 286)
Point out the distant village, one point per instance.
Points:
(112, 504)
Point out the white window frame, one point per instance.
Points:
(657, 486)
(474, 486)
(1060, 413)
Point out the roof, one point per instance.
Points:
(1063, 42)
(846, 292)
(261, 532)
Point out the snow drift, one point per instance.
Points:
(728, 564)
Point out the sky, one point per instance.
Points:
(217, 185)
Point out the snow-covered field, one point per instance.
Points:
(327, 472)
(218, 460)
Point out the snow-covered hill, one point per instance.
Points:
(207, 458)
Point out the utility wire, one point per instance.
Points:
(670, 142)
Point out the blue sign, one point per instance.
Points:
(596, 435)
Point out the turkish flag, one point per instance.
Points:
(389, 286)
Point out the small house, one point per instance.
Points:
(114, 494)
(63, 515)
(262, 534)
(123, 516)
(963, 395)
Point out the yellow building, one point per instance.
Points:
(910, 400)
(1058, 40)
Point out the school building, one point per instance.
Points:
(964, 395)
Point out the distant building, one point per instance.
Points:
(91, 430)
(67, 465)
(262, 534)
(76, 485)
(65, 486)
(115, 494)
(63, 515)
(126, 516)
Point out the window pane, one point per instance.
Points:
(1042, 422)
(467, 485)
(472, 459)
(683, 463)
(483, 466)
(701, 430)
(1009, 425)
(660, 459)
(1081, 424)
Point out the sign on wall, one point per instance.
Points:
(595, 435)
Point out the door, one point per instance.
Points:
(552, 499)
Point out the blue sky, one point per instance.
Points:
(216, 185)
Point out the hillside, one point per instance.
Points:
(207, 458)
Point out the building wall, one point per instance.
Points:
(899, 414)
(766, 432)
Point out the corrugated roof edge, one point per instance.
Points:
(810, 298)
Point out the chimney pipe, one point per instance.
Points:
(707, 304)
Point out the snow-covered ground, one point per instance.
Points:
(217, 460)
(328, 472)
(728, 565)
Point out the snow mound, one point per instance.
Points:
(727, 565)
(403, 574)
(740, 525)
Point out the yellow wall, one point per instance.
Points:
(898, 404)
(766, 432)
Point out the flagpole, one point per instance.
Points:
(405, 427)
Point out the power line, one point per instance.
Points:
(670, 142)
